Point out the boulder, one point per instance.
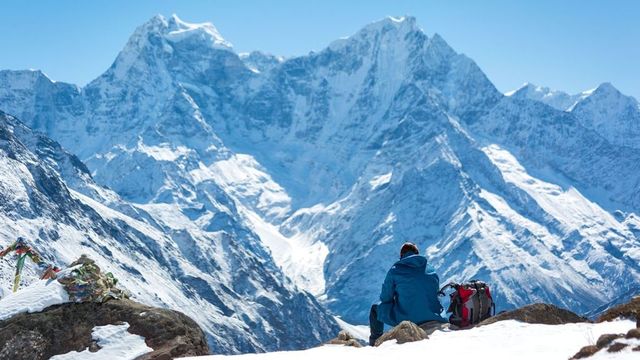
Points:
(616, 347)
(630, 310)
(346, 339)
(633, 334)
(586, 352)
(404, 332)
(607, 339)
(538, 314)
(60, 329)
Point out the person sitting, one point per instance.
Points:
(409, 292)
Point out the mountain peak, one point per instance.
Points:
(403, 24)
(27, 76)
(554, 98)
(606, 88)
(613, 115)
(603, 93)
(160, 36)
(395, 28)
(518, 91)
(532, 90)
(178, 30)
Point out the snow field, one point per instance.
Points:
(115, 343)
(502, 340)
(34, 298)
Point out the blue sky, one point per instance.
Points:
(568, 45)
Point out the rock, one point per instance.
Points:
(616, 347)
(630, 310)
(586, 352)
(537, 314)
(405, 332)
(637, 348)
(633, 334)
(431, 326)
(606, 339)
(94, 347)
(63, 328)
(346, 339)
(14, 347)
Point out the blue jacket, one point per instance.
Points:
(410, 292)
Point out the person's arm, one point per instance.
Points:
(388, 290)
(437, 279)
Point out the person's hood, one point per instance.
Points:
(414, 261)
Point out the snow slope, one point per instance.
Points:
(35, 298)
(223, 278)
(502, 340)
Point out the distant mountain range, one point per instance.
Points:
(232, 187)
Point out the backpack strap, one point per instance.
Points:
(449, 285)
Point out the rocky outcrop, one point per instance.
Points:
(586, 352)
(404, 332)
(538, 314)
(630, 310)
(608, 343)
(63, 328)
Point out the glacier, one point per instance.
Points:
(321, 165)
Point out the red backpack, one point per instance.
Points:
(470, 303)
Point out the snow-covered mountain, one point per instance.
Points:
(555, 98)
(604, 109)
(223, 279)
(335, 158)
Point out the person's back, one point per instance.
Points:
(409, 292)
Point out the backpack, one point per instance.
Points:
(470, 303)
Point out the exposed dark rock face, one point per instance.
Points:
(405, 332)
(608, 341)
(538, 314)
(63, 328)
(630, 310)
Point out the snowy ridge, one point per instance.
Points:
(557, 99)
(615, 116)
